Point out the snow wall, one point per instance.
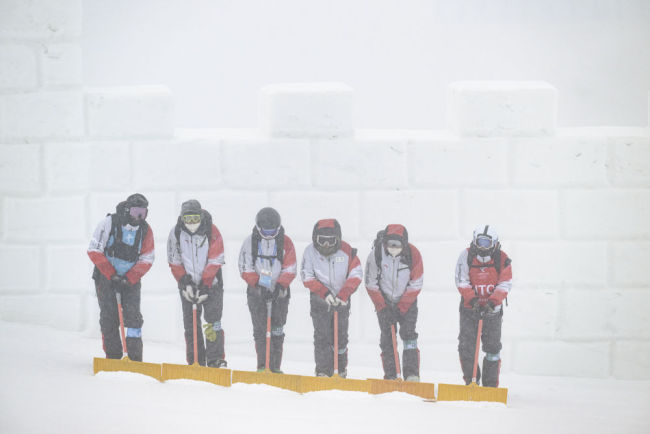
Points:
(572, 205)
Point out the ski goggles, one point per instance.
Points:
(393, 244)
(484, 241)
(191, 219)
(138, 212)
(268, 233)
(326, 240)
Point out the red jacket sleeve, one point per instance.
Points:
(145, 260)
(415, 282)
(215, 257)
(288, 272)
(354, 274)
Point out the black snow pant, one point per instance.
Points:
(109, 321)
(322, 316)
(491, 340)
(279, 310)
(211, 349)
(411, 354)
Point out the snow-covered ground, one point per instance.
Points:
(47, 386)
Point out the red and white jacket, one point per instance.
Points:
(483, 280)
(198, 255)
(339, 273)
(99, 243)
(398, 283)
(282, 273)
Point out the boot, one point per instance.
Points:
(275, 361)
(134, 349)
(411, 363)
(491, 370)
(468, 368)
(388, 362)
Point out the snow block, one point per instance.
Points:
(161, 217)
(232, 281)
(39, 220)
(628, 263)
(427, 215)
(233, 212)
(173, 165)
(163, 320)
(631, 360)
(354, 165)
(560, 162)
(439, 258)
(266, 164)
(62, 259)
(575, 359)
(301, 210)
(630, 320)
(586, 314)
(41, 115)
(531, 214)
(459, 163)
(87, 166)
(20, 168)
(40, 19)
(574, 263)
(18, 68)
(22, 265)
(533, 314)
(437, 311)
(630, 161)
(102, 204)
(606, 214)
(502, 108)
(61, 64)
(134, 111)
(62, 312)
(316, 110)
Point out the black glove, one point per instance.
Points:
(279, 292)
(119, 282)
(184, 281)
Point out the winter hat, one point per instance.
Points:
(190, 207)
(397, 232)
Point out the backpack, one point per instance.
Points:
(279, 246)
(406, 258)
(119, 249)
(496, 258)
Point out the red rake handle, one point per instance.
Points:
(118, 297)
(395, 352)
(478, 346)
(336, 342)
(269, 309)
(196, 348)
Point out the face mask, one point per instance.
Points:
(394, 251)
(192, 227)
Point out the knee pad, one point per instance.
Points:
(493, 357)
(277, 331)
(133, 332)
(411, 344)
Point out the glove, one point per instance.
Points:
(190, 293)
(184, 281)
(119, 282)
(331, 300)
(209, 332)
(469, 296)
(279, 292)
(340, 302)
(497, 297)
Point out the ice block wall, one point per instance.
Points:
(572, 205)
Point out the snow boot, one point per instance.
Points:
(491, 370)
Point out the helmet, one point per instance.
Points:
(327, 236)
(191, 215)
(135, 209)
(396, 239)
(267, 222)
(485, 240)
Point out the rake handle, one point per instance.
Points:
(269, 309)
(336, 342)
(395, 352)
(196, 348)
(478, 346)
(118, 298)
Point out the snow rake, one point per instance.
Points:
(335, 382)
(218, 376)
(423, 390)
(473, 392)
(283, 381)
(125, 364)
